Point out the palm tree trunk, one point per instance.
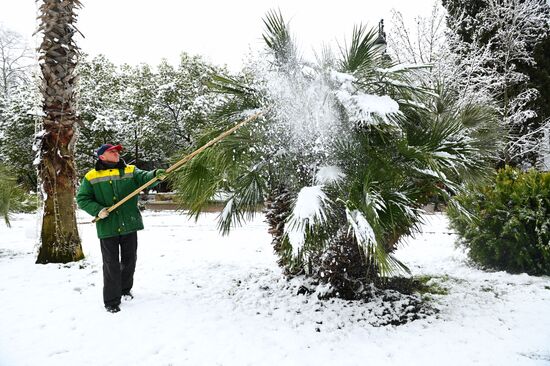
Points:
(60, 242)
(278, 208)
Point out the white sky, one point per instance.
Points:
(223, 31)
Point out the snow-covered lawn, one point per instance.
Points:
(203, 299)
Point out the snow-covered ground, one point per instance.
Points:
(203, 299)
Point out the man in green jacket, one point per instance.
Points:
(102, 187)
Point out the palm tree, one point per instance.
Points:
(60, 242)
(348, 151)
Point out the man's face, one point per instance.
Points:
(110, 156)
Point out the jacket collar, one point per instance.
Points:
(99, 165)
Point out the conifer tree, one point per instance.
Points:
(502, 49)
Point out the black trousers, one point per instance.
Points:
(118, 266)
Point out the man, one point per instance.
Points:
(102, 187)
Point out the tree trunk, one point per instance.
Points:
(136, 148)
(59, 238)
(278, 208)
(60, 242)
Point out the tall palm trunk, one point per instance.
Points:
(60, 242)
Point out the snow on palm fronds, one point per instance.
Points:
(362, 108)
(329, 175)
(226, 212)
(361, 229)
(368, 108)
(309, 210)
(372, 249)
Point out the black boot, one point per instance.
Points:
(112, 308)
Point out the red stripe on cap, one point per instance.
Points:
(115, 147)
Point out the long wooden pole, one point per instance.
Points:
(178, 164)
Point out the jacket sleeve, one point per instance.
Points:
(143, 176)
(85, 198)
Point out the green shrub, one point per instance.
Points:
(12, 197)
(509, 226)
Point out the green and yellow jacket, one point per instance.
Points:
(103, 187)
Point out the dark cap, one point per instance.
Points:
(107, 147)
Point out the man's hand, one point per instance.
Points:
(103, 213)
(160, 174)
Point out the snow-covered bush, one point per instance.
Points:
(151, 111)
(506, 225)
(18, 118)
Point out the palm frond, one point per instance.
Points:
(232, 166)
(449, 141)
(376, 255)
(228, 85)
(363, 54)
(249, 191)
(277, 37)
(197, 182)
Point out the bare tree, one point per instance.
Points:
(15, 59)
(421, 43)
